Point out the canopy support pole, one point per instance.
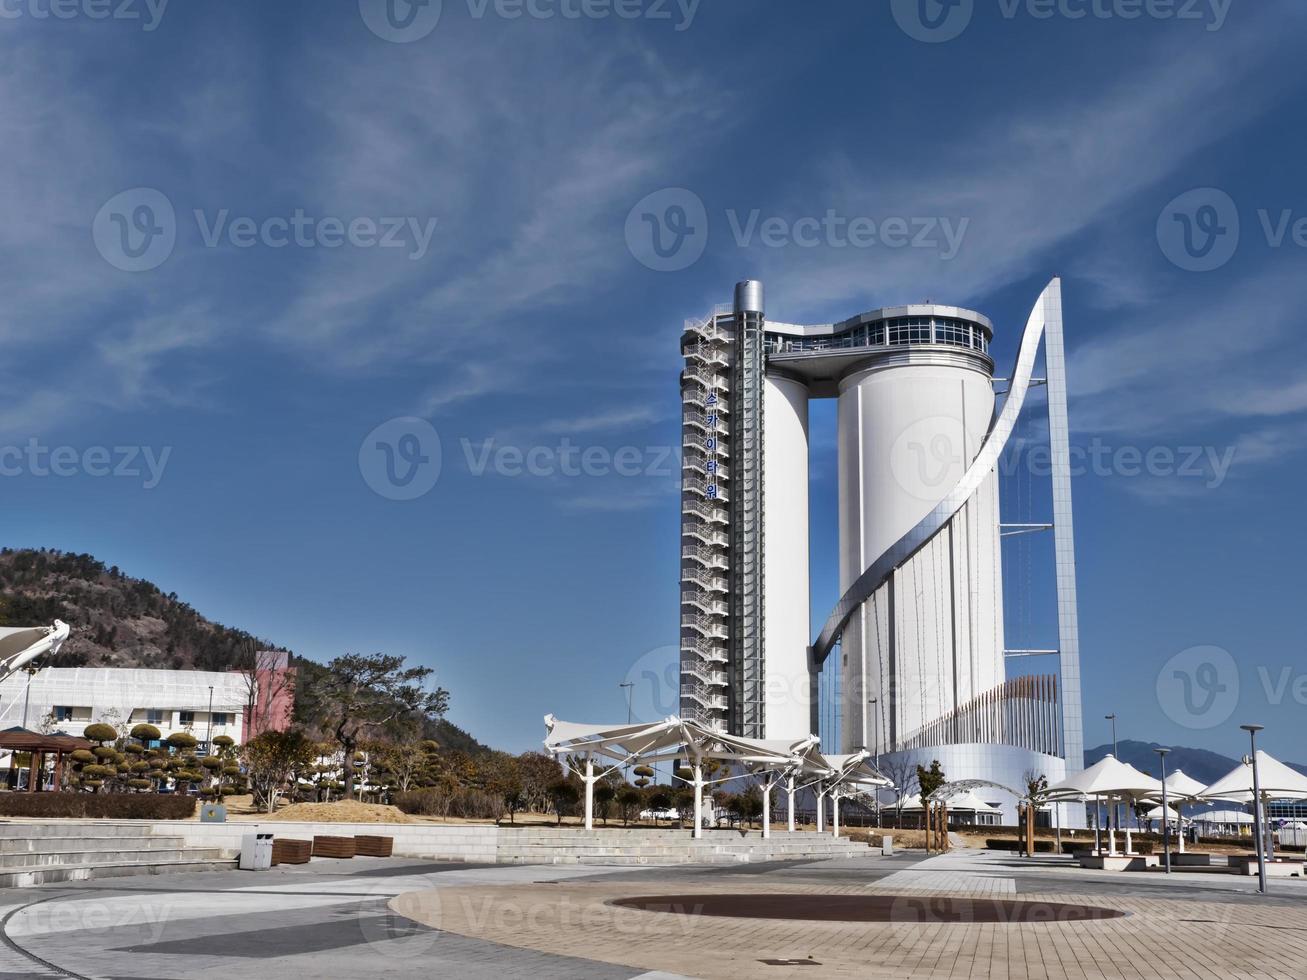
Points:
(835, 813)
(821, 810)
(698, 798)
(789, 799)
(589, 793)
(766, 809)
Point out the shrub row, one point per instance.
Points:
(116, 806)
(1003, 844)
(466, 802)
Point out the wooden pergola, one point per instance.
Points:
(40, 746)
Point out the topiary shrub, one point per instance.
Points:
(114, 806)
(139, 783)
(182, 740)
(146, 733)
(100, 732)
(82, 756)
(104, 752)
(224, 741)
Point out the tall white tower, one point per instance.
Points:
(915, 645)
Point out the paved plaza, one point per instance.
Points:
(398, 918)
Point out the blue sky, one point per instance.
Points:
(528, 314)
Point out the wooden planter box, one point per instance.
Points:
(333, 847)
(288, 851)
(368, 846)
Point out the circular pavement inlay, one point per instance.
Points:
(868, 908)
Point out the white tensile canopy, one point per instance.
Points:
(1277, 781)
(1183, 787)
(967, 801)
(21, 645)
(674, 738)
(1180, 789)
(1112, 779)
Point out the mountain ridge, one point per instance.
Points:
(121, 621)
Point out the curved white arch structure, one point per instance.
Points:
(933, 523)
(20, 646)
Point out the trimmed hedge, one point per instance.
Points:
(114, 806)
(1002, 844)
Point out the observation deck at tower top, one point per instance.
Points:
(923, 333)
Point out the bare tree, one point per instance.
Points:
(902, 772)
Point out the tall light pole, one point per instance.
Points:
(875, 704)
(1252, 731)
(27, 695)
(1166, 831)
(630, 687)
(1116, 807)
(209, 738)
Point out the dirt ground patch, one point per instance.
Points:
(343, 811)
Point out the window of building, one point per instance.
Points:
(185, 718)
(909, 330)
(953, 332)
(222, 718)
(62, 713)
(154, 716)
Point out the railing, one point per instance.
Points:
(707, 583)
(706, 511)
(1022, 713)
(706, 557)
(709, 607)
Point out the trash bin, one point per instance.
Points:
(887, 846)
(256, 852)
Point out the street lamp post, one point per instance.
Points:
(209, 737)
(1116, 807)
(1252, 731)
(875, 704)
(630, 686)
(27, 695)
(1166, 814)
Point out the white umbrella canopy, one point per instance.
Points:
(1278, 782)
(1180, 785)
(1108, 777)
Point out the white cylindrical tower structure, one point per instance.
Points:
(786, 620)
(910, 421)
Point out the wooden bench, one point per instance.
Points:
(288, 851)
(333, 847)
(369, 846)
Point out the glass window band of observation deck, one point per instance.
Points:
(893, 332)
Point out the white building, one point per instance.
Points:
(204, 703)
(912, 660)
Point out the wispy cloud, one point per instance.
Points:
(612, 420)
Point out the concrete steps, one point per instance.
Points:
(639, 847)
(37, 854)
